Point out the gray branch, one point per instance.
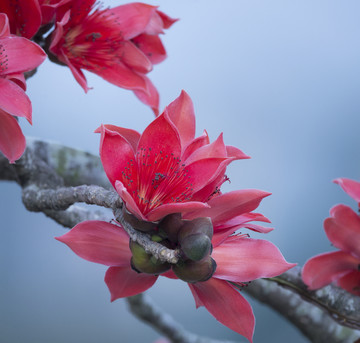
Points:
(53, 178)
(145, 309)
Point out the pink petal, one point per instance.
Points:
(230, 205)
(227, 305)
(350, 282)
(323, 269)
(351, 187)
(167, 21)
(13, 99)
(100, 242)
(235, 152)
(4, 25)
(149, 96)
(17, 78)
(151, 46)
(125, 282)
(133, 18)
(155, 25)
(117, 157)
(343, 229)
(134, 58)
(196, 144)
(181, 113)
(16, 48)
(180, 207)
(24, 16)
(12, 140)
(130, 135)
(242, 259)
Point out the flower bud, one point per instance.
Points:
(140, 225)
(143, 262)
(196, 247)
(195, 271)
(170, 226)
(195, 226)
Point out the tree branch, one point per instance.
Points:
(147, 311)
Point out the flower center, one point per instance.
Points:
(162, 178)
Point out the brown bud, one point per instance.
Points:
(195, 271)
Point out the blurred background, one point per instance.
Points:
(281, 79)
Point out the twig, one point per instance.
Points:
(145, 309)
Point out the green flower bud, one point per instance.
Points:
(143, 262)
(196, 247)
(140, 225)
(195, 226)
(170, 226)
(195, 271)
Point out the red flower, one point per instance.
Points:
(13, 100)
(24, 16)
(120, 44)
(239, 260)
(166, 169)
(343, 230)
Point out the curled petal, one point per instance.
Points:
(12, 140)
(151, 46)
(135, 58)
(149, 95)
(4, 25)
(99, 242)
(351, 187)
(242, 259)
(343, 229)
(226, 304)
(323, 269)
(125, 282)
(196, 144)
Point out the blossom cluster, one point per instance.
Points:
(120, 44)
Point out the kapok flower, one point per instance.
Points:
(238, 260)
(13, 100)
(341, 267)
(165, 169)
(120, 44)
(24, 16)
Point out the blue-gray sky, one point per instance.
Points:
(281, 79)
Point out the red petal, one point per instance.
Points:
(149, 96)
(167, 21)
(181, 113)
(4, 25)
(124, 282)
(161, 136)
(351, 187)
(235, 152)
(19, 79)
(134, 58)
(117, 157)
(343, 229)
(24, 16)
(350, 282)
(180, 207)
(16, 48)
(99, 242)
(196, 144)
(241, 259)
(323, 269)
(229, 205)
(133, 18)
(227, 305)
(12, 140)
(151, 46)
(13, 100)
(130, 135)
